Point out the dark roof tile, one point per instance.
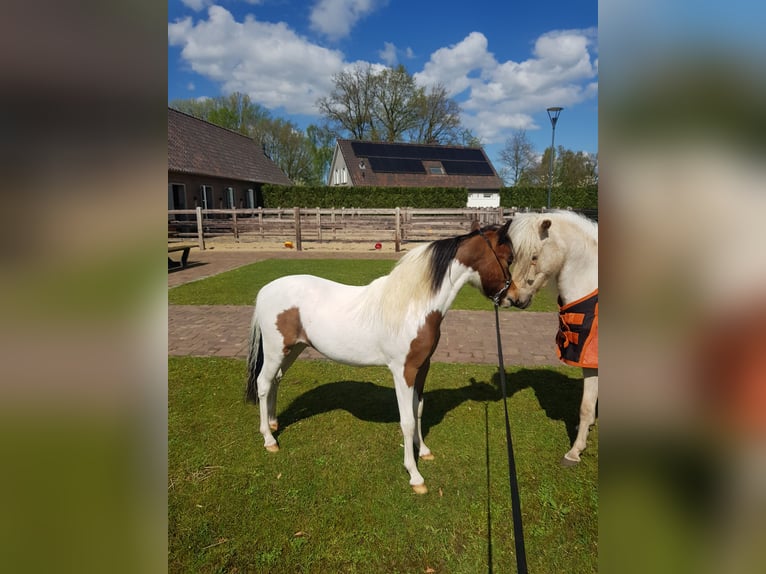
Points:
(199, 147)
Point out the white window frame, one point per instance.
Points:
(203, 190)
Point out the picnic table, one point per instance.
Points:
(184, 248)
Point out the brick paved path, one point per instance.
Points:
(467, 336)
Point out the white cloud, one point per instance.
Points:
(388, 54)
(501, 96)
(196, 5)
(199, 5)
(270, 62)
(452, 66)
(336, 18)
(280, 69)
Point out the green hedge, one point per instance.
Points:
(369, 197)
(422, 197)
(585, 197)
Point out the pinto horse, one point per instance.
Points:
(394, 321)
(562, 246)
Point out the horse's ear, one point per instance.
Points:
(475, 225)
(506, 226)
(544, 226)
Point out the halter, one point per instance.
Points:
(497, 296)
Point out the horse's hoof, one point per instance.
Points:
(420, 488)
(565, 462)
(273, 448)
(274, 426)
(428, 456)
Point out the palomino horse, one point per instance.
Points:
(563, 246)
(394, 321)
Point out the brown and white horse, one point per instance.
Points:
(394, 321)
(562, 247)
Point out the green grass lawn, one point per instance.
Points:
(240, 286)
(336, 497)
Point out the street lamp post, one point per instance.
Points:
(553, 114)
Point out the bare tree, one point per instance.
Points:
(438, 118)
(518, 156)
(393, 112)
(389, 106)
(350, 103)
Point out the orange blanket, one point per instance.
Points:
(577, 338)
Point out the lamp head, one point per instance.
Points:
(553, 114)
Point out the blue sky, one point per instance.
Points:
(503, 62)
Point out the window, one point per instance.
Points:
(177, 200)
(250, 201)
(176, 196)
(228, 198)
(343, 176)
(207, 196)
(436, 170)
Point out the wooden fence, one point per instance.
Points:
(398, 225)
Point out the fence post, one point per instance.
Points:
(200, 230)
(397, 233)
(234, 225)
(297, 216)
(319, 226)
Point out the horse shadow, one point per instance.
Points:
(558, 395)
(375, 403)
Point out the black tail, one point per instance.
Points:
(254, 363)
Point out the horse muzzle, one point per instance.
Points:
(503, 302)
(517, 300)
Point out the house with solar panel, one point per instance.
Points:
(384, 164)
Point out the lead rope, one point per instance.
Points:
(518, 531)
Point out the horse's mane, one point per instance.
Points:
(415, 279)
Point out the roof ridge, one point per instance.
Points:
(410, 143)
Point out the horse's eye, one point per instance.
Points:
(534, 258)
(530, 281)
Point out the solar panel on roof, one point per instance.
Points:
(467, 168)
(403, 151)
(395, 165)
